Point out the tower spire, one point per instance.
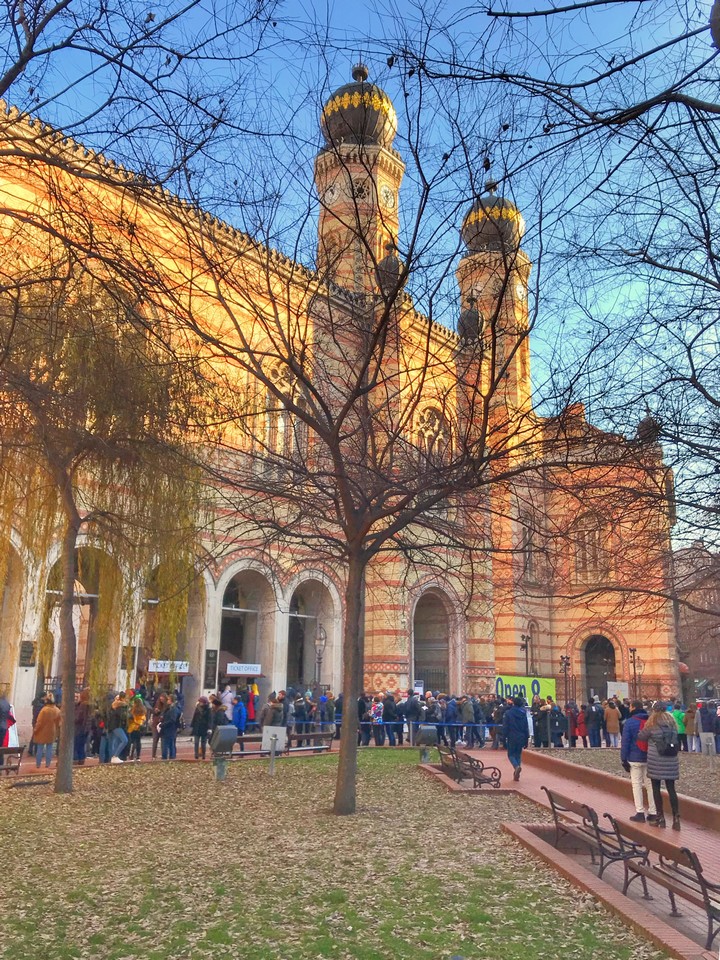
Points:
(357, 175)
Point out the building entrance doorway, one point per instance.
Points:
(246, 628)
(599, 665)
(431, 633)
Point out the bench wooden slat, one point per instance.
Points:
(480, 773)
(676, 869)
(578, 820)
(12, 758)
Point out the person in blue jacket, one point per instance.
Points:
(633, 756)
(516, 734)
(452, 719)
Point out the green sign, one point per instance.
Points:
(527, 687)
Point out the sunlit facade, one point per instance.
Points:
(566, 548)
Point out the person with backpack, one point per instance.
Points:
(633, 756)
(663, 763)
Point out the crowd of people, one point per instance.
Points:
(650, 737)
(114, 730)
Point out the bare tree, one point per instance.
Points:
(353, 424)
(94, 414)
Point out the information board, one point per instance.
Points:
(210, 672)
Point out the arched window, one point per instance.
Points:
(589, 540)
(283, 441)
(433, 436)
(528, 548)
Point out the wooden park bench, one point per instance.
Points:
(460, 766)
(11, 759)
(581, 822)
(312, 742)
(447, 763)
(482, 774)
(319, 741)
(677, 869)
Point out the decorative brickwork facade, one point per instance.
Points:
(555, 556)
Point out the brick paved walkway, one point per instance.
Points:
(698, 837)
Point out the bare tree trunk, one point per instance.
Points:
(353, 647)
(64, 772)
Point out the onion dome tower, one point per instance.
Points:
(493, 278)
(649, 428)
(357, 175)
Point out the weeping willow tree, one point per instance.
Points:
(98, 410)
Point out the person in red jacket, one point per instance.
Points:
(571, 715)
(580, 725)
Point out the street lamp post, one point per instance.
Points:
(640, 671)
(320, 644)
(525, 642)
(633, 664)
(565, 667)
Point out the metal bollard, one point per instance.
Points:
(273, 745)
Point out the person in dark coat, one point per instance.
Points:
(200, 726)
(558, 726)
(452, 718)
(707, 721)
(301, 719)
(169, 723)
(478, 730)
(594, 721)
(660, 767)
(4, 720)
(540, 725)
(218, 714)
(389, 717)
(413, 715)
(516, 734)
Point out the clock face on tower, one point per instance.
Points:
(520, 291)
(387, 195)
(331, 194)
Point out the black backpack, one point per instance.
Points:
(668, 743)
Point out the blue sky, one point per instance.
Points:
(257, 170)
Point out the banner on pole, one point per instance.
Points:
(526, 687)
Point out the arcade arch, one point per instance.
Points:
(310, 652)
(247, 625)
(10, 615)
(96, 619)
(599, 665)
(172, 629)
(431, 642)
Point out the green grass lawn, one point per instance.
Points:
(161, 861)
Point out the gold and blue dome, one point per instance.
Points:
(493, 223)
(359, 112)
